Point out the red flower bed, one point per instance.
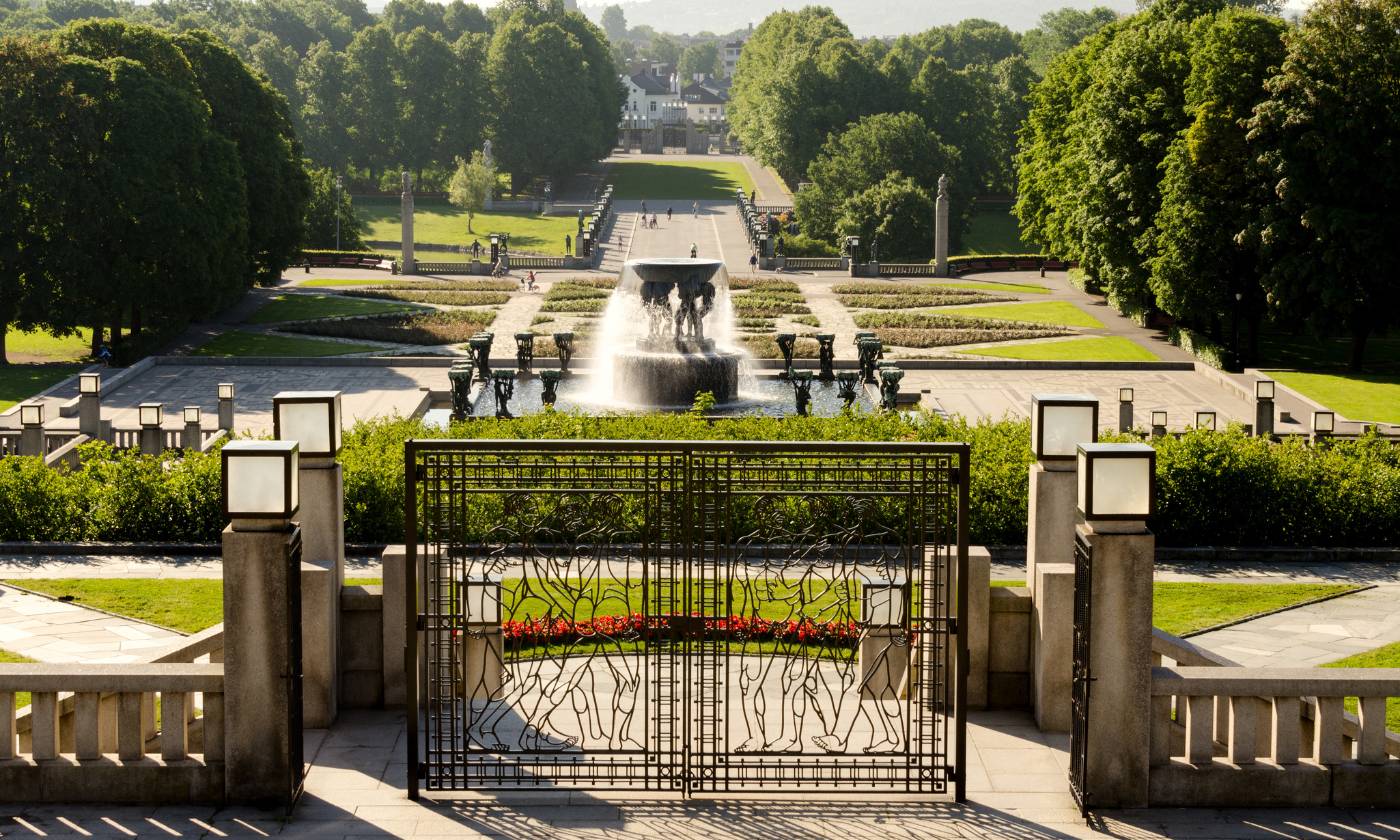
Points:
(636, 627)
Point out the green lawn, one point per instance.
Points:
(1355, 396)
(304, 307)
(677, 181)
(21, 697)
(1096, 349)
(994, 231)
(1382, 657)
(1057, 312)
(39, 346)
(437, 222)
(990, 286)
(184, 605)
(20, 382)
(239, 343)
(333, 282)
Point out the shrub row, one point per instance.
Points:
(898, 287)
(1213, 488)
(926, 320)
(1201, 346)
(453, 285)
(451, 297)
(917, 301)
(764, 284)
(574, 305)
(424, 328)
(573, 291)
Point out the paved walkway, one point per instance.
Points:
(53, 631)
(355, 788)
(1312, 635)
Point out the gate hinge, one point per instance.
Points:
(420, 622)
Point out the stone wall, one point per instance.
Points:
(1009, 648)
(362, 647)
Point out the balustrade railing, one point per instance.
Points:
(813, 263)
(9, 443)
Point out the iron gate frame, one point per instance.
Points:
(949, 462)
(1082, 678)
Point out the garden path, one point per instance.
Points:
(1314, 634)
(53, 631)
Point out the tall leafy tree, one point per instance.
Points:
(614, 23)
(702, 58)
(327, 111)
(1329, 135)
(424, 69)
(1213, 189)
(371, 57)
(472, 185)
(328, 205)
(895, 216)
(1061, 29)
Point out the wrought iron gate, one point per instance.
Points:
(296, 759)
(690, 616)
(1081, 676)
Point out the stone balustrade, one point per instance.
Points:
(1227, 735)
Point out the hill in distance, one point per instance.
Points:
(866, 18)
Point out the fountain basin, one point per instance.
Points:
(672, 380)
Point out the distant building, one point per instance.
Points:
(650, 98)
(703, 104)
(731, 57)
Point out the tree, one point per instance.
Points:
(404, 16)
(329, 203)
(327, 111)
(423, 72)
(664, 49)
(1213, 188)
(471, 185)
(370, 58)
(1061, 29)
(63, 12)
(255, 118)
(614, 23)
(461, 18)
(858, 159)
(896, 215)
(701, 59)
(1327, 135)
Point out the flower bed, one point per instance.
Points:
(637, 627)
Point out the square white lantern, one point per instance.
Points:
(31, 414)
(260, 479)
(1117, 481)
(1060, 422)
(1125, 394)
(150, 414)
(481, 599)
(191, 413)
(89, 384)
(311, 418)
(225, 390)
(1159, 418)
(1205, 420)
(1324, 422)
(1264, 389)
(882, 603)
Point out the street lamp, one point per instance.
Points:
(1116, 481)
(31, 414)
(882, 603)
(481, 599)
(191, 415)
(1125, 409)
(90, 384)
(1205, 420)
(150, 414)
(1159, 423)
(1324, 424)
(1264, 407)
(311, 418)
(260, 479)
(1060, 422)
(339, 186)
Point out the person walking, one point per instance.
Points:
(568, 245)
(668, 214)
(753, 262)
(644, 208)
(695, 209)
(530, 282)
(476, 249)
(694, 252)
(653, 221)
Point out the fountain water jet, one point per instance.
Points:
(668, 335)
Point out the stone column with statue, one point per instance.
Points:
(407, 265)
(940, 229)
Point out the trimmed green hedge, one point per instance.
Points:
(1201, 346)
(1213, 488)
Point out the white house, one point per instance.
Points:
(649, 98)
(703, 104)
(731, 57)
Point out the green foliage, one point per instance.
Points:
(1103, 348)
(472, 185)
(1060, 30)
(893, 216)
(1202, 347)
(328, 205)
(445, 327)
(446, 297)
(702, 58)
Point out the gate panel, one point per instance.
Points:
(697, 617)
(1081, 677)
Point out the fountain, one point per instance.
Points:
(564, 343)
(460, 377)
(890, 376)
(652, 350)
(480, 346)
(524, 353)
(802, 390)
(549, 384)
(503, 383)
(826, 354)
(787, 342)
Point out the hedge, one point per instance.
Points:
(1214, 488)
(1201, 346)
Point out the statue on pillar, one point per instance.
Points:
(489, 158)
(407, 182)
(943, 186)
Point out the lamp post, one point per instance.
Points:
(226, 406)
(31, 436)
(90, 405)
(1113, 617)
(312, 420)
(482, 643)
(1264, 407)
(339, 186)
(1159, 424)
(192, 436)
(1205, 420)
(1059, 423)
(1125, 409)
(884, 642)
(151, 415)
(262, 605)
(1324, 425)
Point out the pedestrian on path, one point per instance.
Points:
(476, 249)
(668, 214)
(530, 282)
(568, 244)
(694, 252)
(695, 209)
(653, 221)
(753, 262)
(644, 209)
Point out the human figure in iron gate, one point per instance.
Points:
(816, 578)
(557, 698)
